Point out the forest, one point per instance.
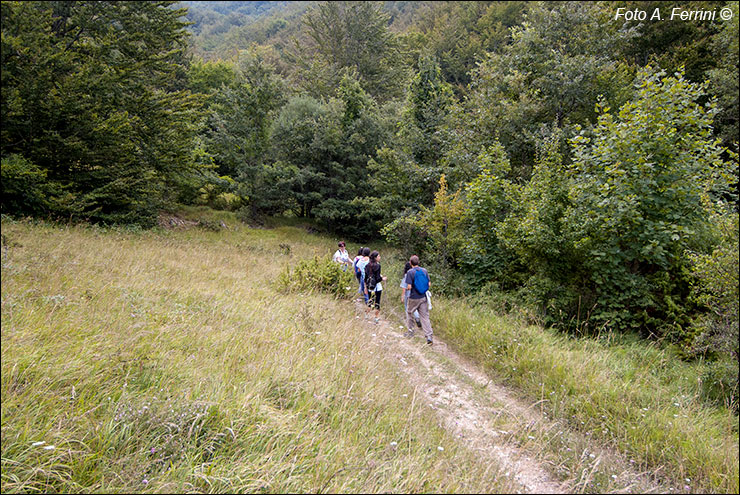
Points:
(554, 156)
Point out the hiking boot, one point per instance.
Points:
(409, 334)
(429, 341)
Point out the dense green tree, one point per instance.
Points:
(239, 120)
(407, 173)
(489, 198)
(642, 193)
(92, 95)
(208, 77)
(549, 76)
(323, 150)
(716, 288)
(724, 78)
(350, 35)
(459, 34)
(669, 44)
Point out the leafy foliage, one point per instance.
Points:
(317, 274)
(245, 97)
(351, 35)
(724, 78)
(642, 187)
(716, 288)
(557, 64)
(25, 188)
(92, 94)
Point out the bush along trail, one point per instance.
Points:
(498, 426)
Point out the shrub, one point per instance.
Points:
(317, 275)
(642, 188)
(25, 187)
(716, 288)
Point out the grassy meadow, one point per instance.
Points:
(166, 361)
(169, 361)
(622, 393)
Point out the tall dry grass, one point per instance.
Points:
(166, 361)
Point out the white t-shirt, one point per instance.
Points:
(361, 264)
(341, 256)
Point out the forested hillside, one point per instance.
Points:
(563, 157)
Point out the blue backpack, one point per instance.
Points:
(421, 281)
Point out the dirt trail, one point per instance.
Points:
(468, 403)
(450, 390)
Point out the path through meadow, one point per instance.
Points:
(484, 415)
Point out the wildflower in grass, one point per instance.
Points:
(36, 444)
(440, 448)
(49, 447)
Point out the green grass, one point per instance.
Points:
(167, 361)
(635, 397)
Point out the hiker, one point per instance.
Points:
(417, 283)
(361, 264)
(358, 273)
(374, 283)
(405, 294)
(342, 256)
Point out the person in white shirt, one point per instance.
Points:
(342, 256)
(361, 264)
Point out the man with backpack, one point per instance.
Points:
(417, 283)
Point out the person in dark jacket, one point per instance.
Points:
(374, 283)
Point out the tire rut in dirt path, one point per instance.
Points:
(452, 394)
(470, 405)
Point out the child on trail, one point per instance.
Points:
(374, 284)
(361, 264)
(417, 283)
(406, 293)
(342, 256)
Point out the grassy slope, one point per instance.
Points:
(169, 357)
(167, 362)
(639, 399)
